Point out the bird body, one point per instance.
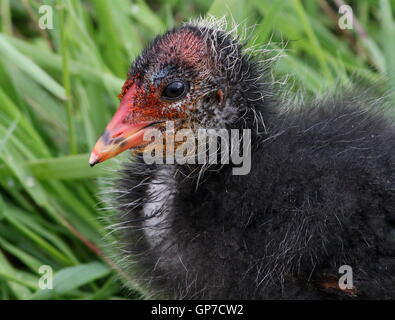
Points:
(320, 193)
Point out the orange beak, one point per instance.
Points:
(125, 130)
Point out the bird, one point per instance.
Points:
(316, 208)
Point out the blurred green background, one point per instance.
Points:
(59, 88)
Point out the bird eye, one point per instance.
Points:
(174, 90)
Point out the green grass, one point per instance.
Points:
(59, 88)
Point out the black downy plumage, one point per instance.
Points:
(320, 193)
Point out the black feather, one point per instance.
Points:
(320, 194)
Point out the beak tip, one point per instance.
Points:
(93, 159)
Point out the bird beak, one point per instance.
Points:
(125, 130)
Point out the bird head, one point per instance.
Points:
(187, 76)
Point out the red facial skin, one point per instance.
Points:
(137, 112)
(141, 108)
